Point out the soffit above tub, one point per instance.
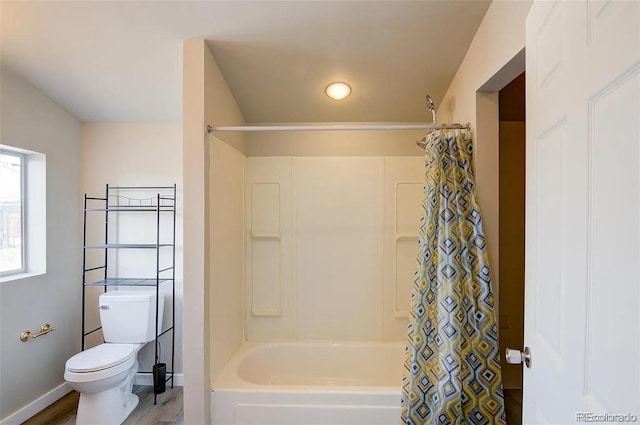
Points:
(122, 61)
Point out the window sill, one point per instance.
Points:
(19, 276)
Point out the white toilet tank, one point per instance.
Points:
(129, 316)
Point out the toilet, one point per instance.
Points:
(103, 375)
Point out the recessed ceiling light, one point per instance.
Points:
(338, 91)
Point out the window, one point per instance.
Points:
(12, 258)
(23, 213)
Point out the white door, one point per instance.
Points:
(582, 306)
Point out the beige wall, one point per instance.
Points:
(226, 193)
(206, 101)
(335, 143)
(488, 66)
(137, 155)
(31, 374)
(221, 108)
(195, 158)
(498, 40)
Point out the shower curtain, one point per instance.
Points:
(452, 368)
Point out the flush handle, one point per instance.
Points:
(517, 356)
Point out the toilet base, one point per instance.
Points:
(109, 406)
(105, 408)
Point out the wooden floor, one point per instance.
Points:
(168, 410)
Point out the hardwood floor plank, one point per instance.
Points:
(58, 412)
(168, 409)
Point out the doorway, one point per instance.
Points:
(511, 213)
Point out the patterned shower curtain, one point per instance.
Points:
(452, 367)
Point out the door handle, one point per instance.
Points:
(517, 356)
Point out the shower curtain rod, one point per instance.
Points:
(337, 127)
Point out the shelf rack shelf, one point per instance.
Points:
(128, 245)
(128, 281)
(114, 202)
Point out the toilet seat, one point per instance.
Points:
(101, 357)
(104, 361)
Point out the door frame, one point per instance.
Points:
(487, 157)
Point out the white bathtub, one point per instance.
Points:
(310, 383)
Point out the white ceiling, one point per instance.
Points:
(121, 61)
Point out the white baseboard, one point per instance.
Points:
(37, 405)
(147, 379)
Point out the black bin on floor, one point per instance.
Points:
(159, 378)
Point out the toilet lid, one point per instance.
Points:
(101, 357)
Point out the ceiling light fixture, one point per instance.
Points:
(338, 90)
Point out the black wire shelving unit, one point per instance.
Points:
(114, 202)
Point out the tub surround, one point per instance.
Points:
(226, 258)
(330, 246)
(329, 250)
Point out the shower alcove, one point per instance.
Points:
(313, 239)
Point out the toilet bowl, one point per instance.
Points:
(103, 375)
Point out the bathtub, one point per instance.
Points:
(310, 383)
